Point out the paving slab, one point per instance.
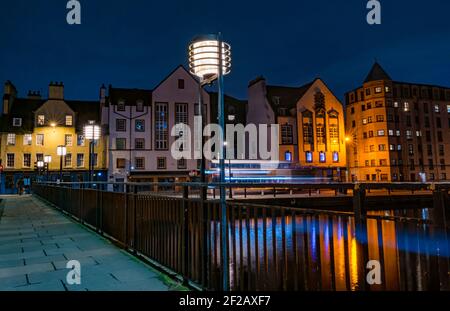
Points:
(37, 241)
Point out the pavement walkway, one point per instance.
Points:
(37, 242)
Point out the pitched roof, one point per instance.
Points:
(85, 111)
(288, 96)
(377, 73)
(23, 108)
(131, 96)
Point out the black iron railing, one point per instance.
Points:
(272, 246)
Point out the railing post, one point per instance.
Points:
(186, 235)
(439, 278)
(360, 213)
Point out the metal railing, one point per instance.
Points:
(270, 247)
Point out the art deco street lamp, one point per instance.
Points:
(47, 161)
(61, 151)
(210, 60)
(92, 132)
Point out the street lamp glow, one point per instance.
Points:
(61, 151)
(47, 159)
(204, 57)
(92, 132)
(53, 124)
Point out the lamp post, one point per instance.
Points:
(40, 166)
(47, 161)
(61, 151)
(92, 132)
(210, 60)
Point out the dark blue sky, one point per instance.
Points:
(136, 43)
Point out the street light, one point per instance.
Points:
(47, 161)
(61, 151)
(92, 132)
(210, 60)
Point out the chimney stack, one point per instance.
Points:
(10, 92)
(56, 91)
(34, 95)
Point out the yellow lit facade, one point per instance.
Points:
(33, 128)
(398, 131)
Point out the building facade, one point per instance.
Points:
(33, 127)
(139, 124)
(311, 127)
(398, 131)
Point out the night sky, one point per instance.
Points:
(136, 43)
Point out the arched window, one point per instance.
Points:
(333, 121)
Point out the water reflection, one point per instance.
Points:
(321, 252)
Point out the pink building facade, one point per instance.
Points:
(139, 125)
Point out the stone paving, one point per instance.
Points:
(36, 242)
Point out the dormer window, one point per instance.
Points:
(17, 122)
(276, 100)
(139, 106)
(121, 105)
(69, 120)
(41, 120)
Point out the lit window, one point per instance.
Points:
(364, 121)
(369, 120)
(391, 132)
(309, 157)
(418, 133)
(10, 160)
(27, 140)
(40, 140)
(231, 117)
(322, 157)
(387, 89)
(68, 140)
(27, 160)
(68, 160)
(11, 139)
(335, 157)
(41, 120)
(80, 160)
(448, 108)
(69, 120)
(408, 134)
(381, 133)
(406, 106)
(378, 89)
(392, 147)
(286, 134)
(395, 104)
(80, 140)
(399, 147)
(398, 133)
(17, 122)
(288, 156)
(437, 109)
(140, 126)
